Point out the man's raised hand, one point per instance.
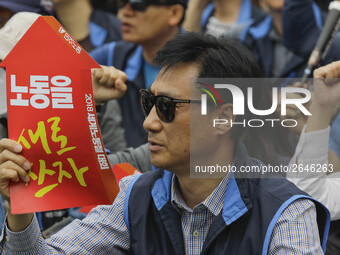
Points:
(108, 83)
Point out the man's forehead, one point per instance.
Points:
(162, 87)
(174, 81)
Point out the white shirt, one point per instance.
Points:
(311, 154)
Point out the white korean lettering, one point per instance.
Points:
(18, 101)
(62, 101)
(39, 84)
(36, 101)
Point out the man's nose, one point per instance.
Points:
(152, 123)
(127, 9)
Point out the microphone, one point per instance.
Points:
(329, 30)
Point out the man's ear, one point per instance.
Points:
(176, 13)
(225, 113)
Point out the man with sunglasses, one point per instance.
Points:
(167, 211)
(146, 25)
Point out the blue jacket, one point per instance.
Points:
(127, 57)
(302, 23)
(244, 226)
(104, 27)
(256, 37)
(255, 34)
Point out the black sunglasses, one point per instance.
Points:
(141, 5)
(165, 106)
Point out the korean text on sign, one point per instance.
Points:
(42, 91)
(57, 169)
(91, 118)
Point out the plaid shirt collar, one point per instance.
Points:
(214, 202)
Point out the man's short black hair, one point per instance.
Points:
(215, 58)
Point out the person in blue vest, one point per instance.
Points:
(91, 27)
(146, 26)
(302, 31)
(167, 211)
(221, 18)
(265, 39)
(261, 30)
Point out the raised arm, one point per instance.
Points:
(320, 177)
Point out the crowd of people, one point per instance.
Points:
(150, 51)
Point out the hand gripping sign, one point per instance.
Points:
(51, 113)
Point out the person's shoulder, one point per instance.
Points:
(257, 14)
(104, 16)
(260, 26)
(268, 181)
(154, 174)
(126, 181)
(278, 186)
(298, 207)
(117, 46)
(120, 46)
(297, 228)
(126, 45)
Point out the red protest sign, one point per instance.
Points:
(124, 169)
(51, 112)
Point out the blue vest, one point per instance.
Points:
(247, 14)
(128, 58)
(104, 27)
(256, 37)
(250, 210)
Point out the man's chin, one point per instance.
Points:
(128, 37)
(157, 163)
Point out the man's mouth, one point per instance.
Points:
(154, 146)
(126, 26)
